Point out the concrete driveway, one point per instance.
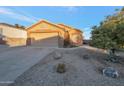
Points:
(15, 61)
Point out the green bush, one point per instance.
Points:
(110, 32)
(61, 68)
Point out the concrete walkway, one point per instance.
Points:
(16, 61)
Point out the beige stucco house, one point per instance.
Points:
(48, 34)
(45, 34)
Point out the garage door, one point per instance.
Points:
(44, 39)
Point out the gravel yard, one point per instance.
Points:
(83, 67)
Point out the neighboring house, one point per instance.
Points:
(47, 34)
(12, 36)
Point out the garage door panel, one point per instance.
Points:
(45, 39)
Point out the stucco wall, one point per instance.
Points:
(41, 35)
(44, 25)
(12, 36)
(13, 32)
(76, 37)
(15, 41)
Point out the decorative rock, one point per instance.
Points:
(57, 55)
(110, 72)
(85, 57)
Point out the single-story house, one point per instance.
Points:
(47, 34)
(11, 35)
(42, 33)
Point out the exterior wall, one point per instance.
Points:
(15, 41)
(12, 36)
(13, 32)
(1, 33)
(76, 38)
(42, 35)
(43, 25)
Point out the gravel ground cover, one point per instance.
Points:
(83, 68)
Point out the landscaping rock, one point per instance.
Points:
(85, 57)
(110, 72)
(57, 55)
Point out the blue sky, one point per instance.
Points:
(81, 17)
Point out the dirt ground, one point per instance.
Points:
(80, 71)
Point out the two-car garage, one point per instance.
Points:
(44, 39)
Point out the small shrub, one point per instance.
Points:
(112, 57)
(61, 68)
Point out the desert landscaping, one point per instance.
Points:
(83, 66)
(63, 52)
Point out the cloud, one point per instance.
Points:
(12, 14)
(71, 8)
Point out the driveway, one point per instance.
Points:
(15, 61)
